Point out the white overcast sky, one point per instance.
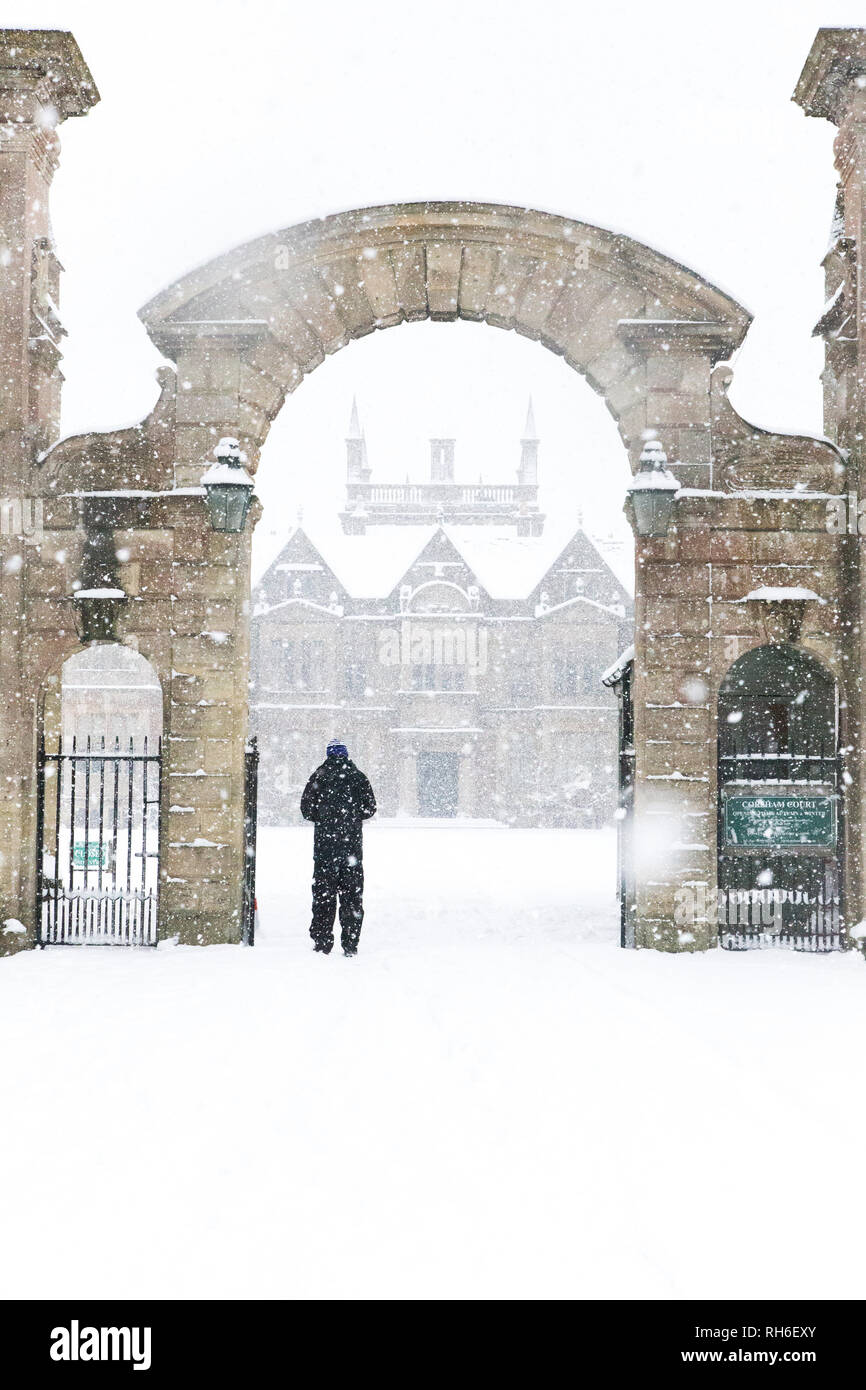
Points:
(218, 122)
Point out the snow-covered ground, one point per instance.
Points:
(491, 1100)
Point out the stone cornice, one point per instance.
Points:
(718, 341)
(50, 62)
(830, 75)
(174, 336)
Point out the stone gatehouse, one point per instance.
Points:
(733, 548)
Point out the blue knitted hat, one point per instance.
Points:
(336, 749)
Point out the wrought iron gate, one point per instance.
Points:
(97, 866)
(251, 785)
(620, 679)
(775, 898)
(801, 911)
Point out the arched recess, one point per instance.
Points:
(246, 328)
(99, 791)
(780, 849)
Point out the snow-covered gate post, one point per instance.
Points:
(674, 801)
(832, 86)
(751, 514)
(186, 609)
(203, 852)
(43, 81)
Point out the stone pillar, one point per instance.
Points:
(43, 79)
(832, 86)
(17, 748)
(219, 391)
(675, 590)
(679, 356)
(203, 844)
(187, 613)
(674, 819)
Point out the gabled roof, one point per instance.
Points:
(299, 549)
(507, 567)
(447, 546)
(588, 553)
(300, 603)
(614, 610)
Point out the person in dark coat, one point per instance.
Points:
(338, 799)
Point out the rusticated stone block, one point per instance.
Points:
(668, 756)
(685, 580)
(679, 654)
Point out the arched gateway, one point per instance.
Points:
(123, 519)
(247, 328)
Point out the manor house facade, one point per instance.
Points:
(449, 644)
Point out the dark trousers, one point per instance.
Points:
(333, 878)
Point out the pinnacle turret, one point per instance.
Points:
(527, 473)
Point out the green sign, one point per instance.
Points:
(89, 857)
(780, 822)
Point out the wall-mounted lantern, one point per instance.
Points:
(97, 613)
(782, 611)
(650, 495)
(228, 487)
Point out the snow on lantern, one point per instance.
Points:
(782, 611)
(650, 495)
(228, 487)
(97, 612)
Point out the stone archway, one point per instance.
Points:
(645, 332)
(245, 329)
